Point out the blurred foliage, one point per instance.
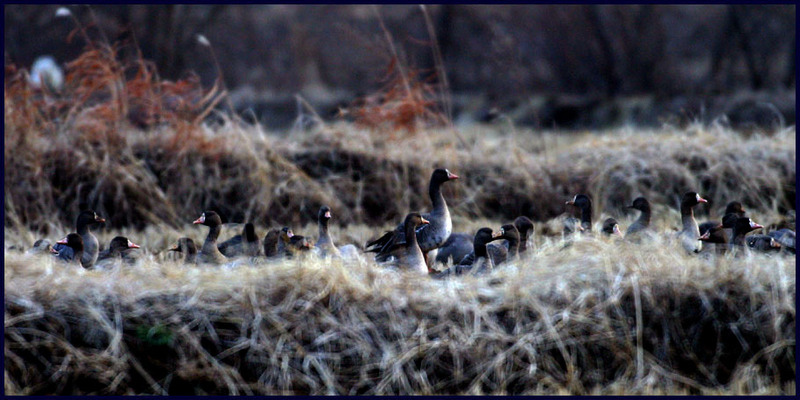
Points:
(496, 50)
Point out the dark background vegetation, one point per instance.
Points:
(570, 66)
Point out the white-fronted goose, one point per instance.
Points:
(407, 252)
(41, 246)
(641, 226)
(720, 236)
(742, 227)
(763, 243)
(476, 262)
(325, 245)
(509, 249)
(73, 242)
(611, 228)
(209, 253)
(524, 227)
(186, 247)
(429, 236)
(584, 204)
(91, 247)
(298, 245)
(114, 254)
(690, 234)
(786, 237)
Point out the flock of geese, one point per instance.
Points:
(422, 239)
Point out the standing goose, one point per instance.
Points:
(524, 226)
(74, 243)
(91, 247)
(209, 253)
(431, 236)
(641, 226)
(186, 247)
(690, 234)
(114, 255)
(407, 252)
(325, 244)
(480, 263)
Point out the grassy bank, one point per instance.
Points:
(599, 317)
(167, 176)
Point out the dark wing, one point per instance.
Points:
(498, 253)
(64, 252)
(389, 240)
(231, 247)
(457, 246)
(468, 259)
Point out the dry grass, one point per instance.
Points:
(134, 148)
(598, 318)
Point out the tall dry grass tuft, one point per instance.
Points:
(136, 148)
(406, 103)
(599, 317)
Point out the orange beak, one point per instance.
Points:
(451, 175)
(424, 221)
(132, 245)
(201, 219)
(62, 241)
(701, 200)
